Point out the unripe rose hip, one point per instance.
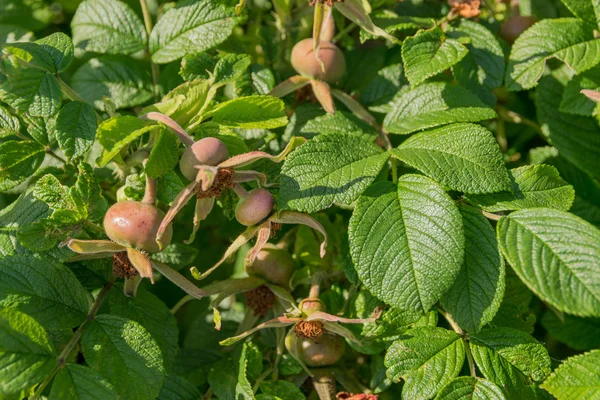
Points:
(273, 265)
(134, 224)
(255, 207)
(324, 351)
(305, 62)
(207, 151)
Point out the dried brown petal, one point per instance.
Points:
(122, 267)
(357, 396)
(222, 182)
(309, 329)
(260, 300)
(465, 8)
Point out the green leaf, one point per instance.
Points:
(434, 104)
(577, 333)
(230, 67)
(9, 124)
(477, 292)
(31, 14)
(482, 70)
(150, 312)
(18, 161)
(197, 66)
(263, 112)
(126, 82)
(31, 90)
(567, 39)
(26, 355)
(125, 353)
(470, 388)
(329, 169)
(235, 144)
(77, 382)
(383, 87)
(533, 186)
(87, 194)
(429, 53)
(75, 128)
(164, 156)
(511, 359)
(576, 103)
(576, 138)
(107, 26)
(189, 27)
(464, 157)
(514, 311)
(44, 289)
(407, 242)
(118, 132)
(561, 272)
(282, 389)
(587, 10)
(46, 233)
(53, 53)
(49, 190)
(427, 359)
(576, 378)
(338, 123)
(177, 388)
(228, 377)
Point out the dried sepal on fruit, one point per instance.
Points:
(208, 165)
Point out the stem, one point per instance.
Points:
(92, 226)
(150, 193)
(394, 167)
(154, 67)
(261, 378)
(463, 337)
(343, 32)
(240, 191)
(62, 357)
(451, 321)
(184, 300)
(501, 136)
(492, 216)
(315, 287)
(516, 118)
(472, 369)
(280, 333)
(54, 155)
(186, 139)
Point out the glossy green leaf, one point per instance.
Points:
(427, 359)
(561, 272)
(464, 157)
(125, 82)
(533, 186)
(470, 388)
(576, 103)
(567, 39)
(429, 53)
(26, 355)
(329, 169)
(263, 112)
(407, 242)
(18, 161)
(190, 27)
(31, 90)
(164, 156)
(477, 292)
(107, 26)
(75, 128)
(434, 104)
(118, 132)
(9, 124)
(126, 354)
(231, 67)
(77, 382)
(578, 333)
(577, 378)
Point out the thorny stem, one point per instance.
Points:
(61, 361)
(154, 67)
(463, 336)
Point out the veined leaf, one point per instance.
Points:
(463, 157)
(587, 10)
(477, 292)
(329, 169)
(126, 82)
(87, 194)
(263, 112)
(116, 133)
(44, 289)
(164, 156)
(482, 70)
(407, 242)
(533, 186)
(434, 104)
(282, 389)
(561, 272)
(125, 353)
(427, 359)
(429, 53)
(53, 53)
(9, 124)
(576, 138)
(75, 128)
(576, 332)
(190, 27)
(177, 388)
(26, 355)
(568, 39)
(107, 26)
(31, 90)
(511, 359)
(77, 382)
(470, 388)
(18, 161)
(230, 68)
(576, 103)
(576, 378)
